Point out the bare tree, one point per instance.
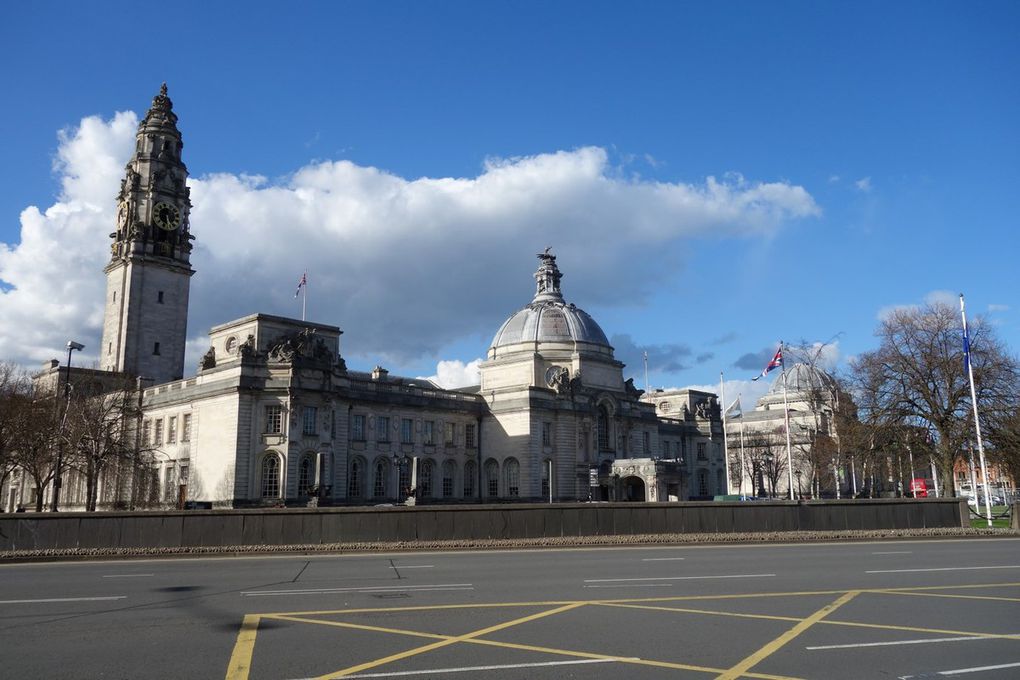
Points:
(98, 431)
(917, 378)
(35, 438)
(14, 389)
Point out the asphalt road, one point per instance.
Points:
(893, 609)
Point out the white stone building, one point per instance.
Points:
(274, 416)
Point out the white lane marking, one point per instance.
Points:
(894, 552)
(126, 575)
(469, 669)
(673, 578)
(370, 589)
(906, 642)
(414, 566)
(903, 571)
(636, 585)
(662, 559)
(960, 671)
(65, 599)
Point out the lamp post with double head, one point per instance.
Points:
(768, 471)
(57, 477)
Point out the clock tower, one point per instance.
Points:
(149, 273)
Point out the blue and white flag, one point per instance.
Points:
(301, 284)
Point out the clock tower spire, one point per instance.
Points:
(148, 276)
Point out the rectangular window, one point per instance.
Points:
(406, 431)
(169, 484)
(449, 434)
(159, 297)
(358, 428)
(701, 451)
(469, 435)
(429, 433)
(183, 476)
(155, 349)
(311, 420)
(382, 429)
(274, 419)
(469, 481)
(186, 428)
(146, 432)
(546, 434)
(447, 486)
(648, 443)
(158, 439)
(171, 430)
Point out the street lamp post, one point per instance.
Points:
(57, 478)
(800, 494)
(768, 471)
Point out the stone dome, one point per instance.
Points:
(547, 318)
(803, 378)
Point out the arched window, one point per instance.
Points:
(720, 482)
(404, 479)
(306, 475)
(470, 475)
(449, 473)
(512, 473)
(271, 476)
(356, 483)
(491, 478)
(603, 429)
(425, 479)
(380, 478)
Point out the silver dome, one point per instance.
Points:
(547, 318)
(803, 378)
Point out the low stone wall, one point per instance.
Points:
(316, 526)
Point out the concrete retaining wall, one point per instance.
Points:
(31, 531)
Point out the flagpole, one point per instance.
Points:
(646, 371)
(786, 412)
(743, 461)
(725, 439)
(973, 402)
(304, 296)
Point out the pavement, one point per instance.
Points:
(891, 609)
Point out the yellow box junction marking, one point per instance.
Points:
(768, 650)
(240, 661)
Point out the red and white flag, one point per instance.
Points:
(301, 284)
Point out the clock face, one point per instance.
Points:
(166, 216)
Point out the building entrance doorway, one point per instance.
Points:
(633, 489)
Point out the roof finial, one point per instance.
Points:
(162, 88)
(548, 277)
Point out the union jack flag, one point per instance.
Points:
(301, 284)
(776, 362)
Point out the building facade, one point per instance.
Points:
(274, 416)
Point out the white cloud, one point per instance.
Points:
(454, 374)
(406, 267)
(935, 297)
(993, 308)
(863, 185)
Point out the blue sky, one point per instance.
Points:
(867, 154)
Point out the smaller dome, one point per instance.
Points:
(803, 378)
